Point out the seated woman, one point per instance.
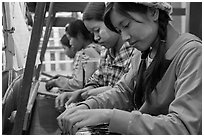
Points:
(115, 60)
(85, 61)
(163, 96)
(68, 50)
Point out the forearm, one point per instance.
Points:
(95, 80)
(85, 89)
(109, 100)
(100, 90)
(136, 123)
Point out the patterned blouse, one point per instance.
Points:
(85, 64)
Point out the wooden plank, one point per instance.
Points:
(70, 6)
(62, 21)
(51, 18)
(61, 6)
(8, 40)
(22, 99)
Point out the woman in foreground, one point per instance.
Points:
(164, 97)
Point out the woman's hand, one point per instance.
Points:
(68, 97)
(61, 99)
(72, 120)
(75, 97)
(68, 112)
(94, 92)
(91, 92)
(50, 84)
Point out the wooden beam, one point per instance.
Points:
(70, 6)
(62, 21)
(61, 6)
(8, 40)
(51, 18)
(22, 98)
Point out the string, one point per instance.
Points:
(138, 91)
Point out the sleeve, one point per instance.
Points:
(77, 69)
(76, 82)
(185, 111)
(90, 62)
(69, 84)
(117, 97)
(96, 79)
(120, 96)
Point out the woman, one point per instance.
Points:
(115, 60)
(171, 100)
(68, 49)
(70, 52)
(86, 59)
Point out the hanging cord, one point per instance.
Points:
(138, 92)
(83, 70)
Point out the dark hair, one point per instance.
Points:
(65, 41)
(159, 65)
(122, 9)
(76, 27)
(94, 11)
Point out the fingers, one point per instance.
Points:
(84, 95)
(79, 125)
(60, 99)
(70, 100)
(50, 84)
(74, 127)
(70, 122)
(67, 119)
(57, 101)
(60, 118)
(59, 121)
(74, 97)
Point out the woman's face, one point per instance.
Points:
(140, 31)
(102, 34)
(69, 51)
(76, 42)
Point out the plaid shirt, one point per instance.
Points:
(111, 68)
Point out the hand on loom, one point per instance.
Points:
(71, 120)
(68, 97)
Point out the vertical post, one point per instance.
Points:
(195, 24)
(8, 40)
(29, 68)
(49, 24)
